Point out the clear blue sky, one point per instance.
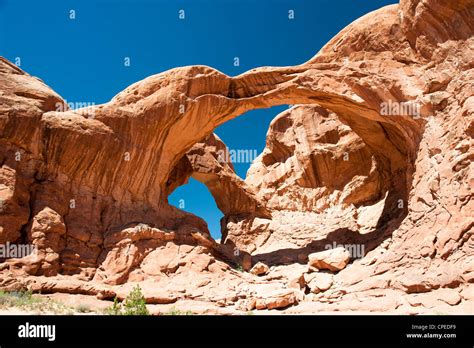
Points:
(83, 58)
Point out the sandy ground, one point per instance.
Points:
(90, 305)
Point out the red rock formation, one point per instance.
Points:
(209, 162)
(309, 156)
(89, 187)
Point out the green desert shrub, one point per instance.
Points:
(174, 311)
(83, 309)
(134, 304)
(26, 301)
(18, 298)
(238, 267)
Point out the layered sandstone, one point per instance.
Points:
(89, 187)
(311, 162)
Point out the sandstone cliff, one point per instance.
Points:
(89, 187)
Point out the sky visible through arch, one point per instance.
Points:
(83, 58)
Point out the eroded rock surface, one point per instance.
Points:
(343, 168)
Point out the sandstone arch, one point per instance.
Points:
(104, 173)
(208, 162)
(145, 124)
(131, 125)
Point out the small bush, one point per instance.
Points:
(26, 301)
(18, 298)
(134, 304)
(174, 311)
(83, 309)
(115, 309)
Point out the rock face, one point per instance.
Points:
(208, 161)
(311, 162)
(332, 259)
(375, 156)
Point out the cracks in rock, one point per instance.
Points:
(31, 206)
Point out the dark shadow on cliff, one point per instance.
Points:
(394, 212)
(342, 236)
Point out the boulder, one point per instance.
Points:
(277, 300)
(259, 269)
(318, 282)
(332, 259)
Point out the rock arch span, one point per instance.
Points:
(90, 187)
